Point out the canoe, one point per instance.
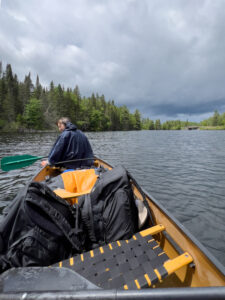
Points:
(188, 270)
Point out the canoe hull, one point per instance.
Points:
(206, 271)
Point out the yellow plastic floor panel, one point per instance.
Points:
(127, 264)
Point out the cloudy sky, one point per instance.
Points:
(164, 57)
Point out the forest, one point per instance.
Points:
(24, 105)
(28, 106)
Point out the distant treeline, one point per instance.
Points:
(217, 121)
(25, 106)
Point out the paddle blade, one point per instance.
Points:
(19, 161)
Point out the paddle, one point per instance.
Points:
(19, 161)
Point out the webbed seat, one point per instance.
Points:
(127, 264)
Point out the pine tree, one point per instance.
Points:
(0, 69)
(151, 125)
(33, 114)
(157, 124)
(93, 100)
(124, 118)
(9, 101)
(27, 90)
(38, 89)
(215, 119)
(137, 117)
(3, 93)
(17, 100)
(77, 101)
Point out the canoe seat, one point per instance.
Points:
(76, 183)
(127, 264)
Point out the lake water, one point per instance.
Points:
(183, 170)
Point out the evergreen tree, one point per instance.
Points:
(38, 89)
(33, 114)
(9, 101)
(222, 119)
(151, 125)
(0, 69)
(77, 93)
(215, 118)
(103, 103)
(157, 124)
(17, 102)
(95, 120)
(52, 86)
(114, 117)
(60, 104)
(77, 102)
(124, 118)
(93, 100)
(69, 106)
(27, 90)
(49, 106)
(137, 116)
(3, 93)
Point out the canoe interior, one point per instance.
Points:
(205, 271)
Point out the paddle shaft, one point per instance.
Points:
(19, 161)
(33, 159)
(73, 160)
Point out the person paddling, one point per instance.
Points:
(72, 144)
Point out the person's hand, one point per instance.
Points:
(44, 163)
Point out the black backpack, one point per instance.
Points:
(39, 229)
(109, 212)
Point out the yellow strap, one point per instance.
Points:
(137, 284)
(148, 279)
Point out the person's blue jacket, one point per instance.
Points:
(71, 144)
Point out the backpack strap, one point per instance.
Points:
(70, 233)
(87, 217)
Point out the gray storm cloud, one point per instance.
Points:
(166, 58)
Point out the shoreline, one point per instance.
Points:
(52, 131)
